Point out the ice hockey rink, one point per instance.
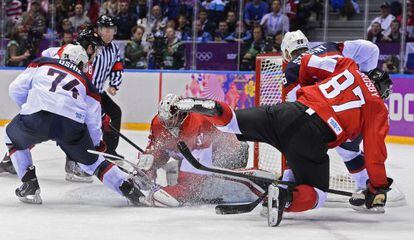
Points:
(76, 211)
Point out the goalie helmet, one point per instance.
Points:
(382, 82)
(293, 41)
(168, 114)
(77, 55)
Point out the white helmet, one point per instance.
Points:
(168, 115)
(293, 41)
(77, 55)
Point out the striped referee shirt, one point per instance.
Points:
(107, 64)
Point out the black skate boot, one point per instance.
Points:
(29, 191)
(75, 174)
(133, 193)
(279, 199)
(6, 165)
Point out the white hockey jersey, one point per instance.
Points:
(60, 87)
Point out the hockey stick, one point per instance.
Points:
(239, 208)
(260, 180)
(125, 138)
(193, 161)
(133, 165)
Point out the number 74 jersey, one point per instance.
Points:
(60, 87)
(350, 104)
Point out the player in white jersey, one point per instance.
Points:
(59, 103)
(90, 41)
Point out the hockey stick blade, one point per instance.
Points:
(195, 163)
(225, 209)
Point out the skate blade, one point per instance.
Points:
(73, 178)
(364, 209)
(32, 199)
(272, 207)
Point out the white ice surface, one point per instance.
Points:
(76, 211)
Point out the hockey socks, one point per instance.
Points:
(306, 198)
(110, 175)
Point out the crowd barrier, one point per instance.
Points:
(223, 56)
(141, 91)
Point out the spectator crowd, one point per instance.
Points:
(154, 31)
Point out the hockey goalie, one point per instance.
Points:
(211, 147)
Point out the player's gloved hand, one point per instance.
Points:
(106, 121)
(376, 196)
(145, 161)
(101, 147)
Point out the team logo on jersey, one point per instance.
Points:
(80, 116)
(335, 126)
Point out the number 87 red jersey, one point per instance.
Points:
(350, 104)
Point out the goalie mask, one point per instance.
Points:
(77, 55)
(293, 41)
(168, 114)
(382, 82)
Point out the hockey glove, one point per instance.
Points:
(376, 196)
(101, 147)
(106, 121)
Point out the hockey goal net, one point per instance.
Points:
(269, 81)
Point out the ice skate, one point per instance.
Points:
(29, 191)
(75, 174)
(6, 165)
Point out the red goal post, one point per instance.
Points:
(268, 91)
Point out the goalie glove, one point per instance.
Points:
(203, 106)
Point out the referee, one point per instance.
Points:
(107, 65)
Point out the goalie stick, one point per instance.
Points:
(260, 180)
(195, 163)
(239, 208)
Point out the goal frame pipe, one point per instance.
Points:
(258, 63)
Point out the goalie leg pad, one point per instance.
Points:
(160, 198)
(306, 198)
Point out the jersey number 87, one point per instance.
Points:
(332, 88)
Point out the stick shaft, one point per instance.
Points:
(125, 138)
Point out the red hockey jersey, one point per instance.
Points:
(350, 104)
(196, 131)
